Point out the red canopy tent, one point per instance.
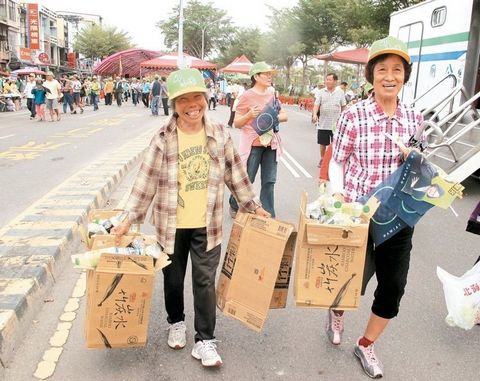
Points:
(354, 56)
(169, 62)
(239, 65)
(126, 62)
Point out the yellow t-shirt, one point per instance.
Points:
(193, 167)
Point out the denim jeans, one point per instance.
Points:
(67, 101)
(266, 158)
(204, 267)
(155, 104)
(94, 101)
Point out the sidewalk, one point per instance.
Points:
(34, 246)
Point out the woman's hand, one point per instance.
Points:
(120, 231)
(262, 212)
(253, 112)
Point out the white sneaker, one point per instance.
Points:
(176, 335)
(206, 351)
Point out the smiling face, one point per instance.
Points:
(190, 108)
(388, 77)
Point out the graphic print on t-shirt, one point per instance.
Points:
(266, 120)
(193, 163)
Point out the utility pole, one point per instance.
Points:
(180, 60)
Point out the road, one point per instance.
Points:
(417, 345)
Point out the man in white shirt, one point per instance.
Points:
(27, 92)
(53, 96)
(76, 87)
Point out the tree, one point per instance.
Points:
(244, 41)
(199, 19)
(281, 45)
(97, 41)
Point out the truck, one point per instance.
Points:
(443, 40)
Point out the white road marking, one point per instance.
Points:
(297, 164)
(290, 168)
(6, 136)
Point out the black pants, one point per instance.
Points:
(108, 99)
(145, 99)
(214, 101)
(204, 267)
(165, 106)
(31, 107)
(390, 262)
(231, 119)
(118, 97)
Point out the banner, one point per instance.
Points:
(33, 26)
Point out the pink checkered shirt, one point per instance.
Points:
(157, 182)
(368, 155)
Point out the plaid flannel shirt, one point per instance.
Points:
(157, 181)
(368, 155)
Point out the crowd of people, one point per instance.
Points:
(72, 93)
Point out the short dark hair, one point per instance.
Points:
(344, 83)
(335, 77)
(371, 65)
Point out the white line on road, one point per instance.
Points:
(289, 167)
(297, 164)
(6, 136)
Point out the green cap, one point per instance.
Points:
(260, 67)
(389, 45)
(185, 81)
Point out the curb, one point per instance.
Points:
(33, 246)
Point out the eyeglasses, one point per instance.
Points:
(267, 74)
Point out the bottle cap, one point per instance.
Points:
(337, 204)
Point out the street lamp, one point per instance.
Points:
(204, 28)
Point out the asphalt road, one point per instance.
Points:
(37, 156)
(417, 345)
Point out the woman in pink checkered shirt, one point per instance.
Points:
(362, 158)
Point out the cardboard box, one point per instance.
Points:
(119, 293)
(329, 263)
(258, 259)
(101, 214)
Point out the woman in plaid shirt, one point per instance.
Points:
(362, 158)
(187, 164)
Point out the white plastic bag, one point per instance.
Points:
(462, 295)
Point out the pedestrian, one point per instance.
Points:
(146, 93)
(188, 161)
(66, 84)
(118, 91)
(53, 96)
(329, 103)
(108, 89)
(126, 90)
(39, 94)
(136, 91)
(164, 95)
(239, 90)
(76, 89)
(212, 97)
(362, 158)
(155, 91)
(94, 93)
(27, 92)
(259, 141)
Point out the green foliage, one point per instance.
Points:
(98, 42)
(199, 19)
(243, 41)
